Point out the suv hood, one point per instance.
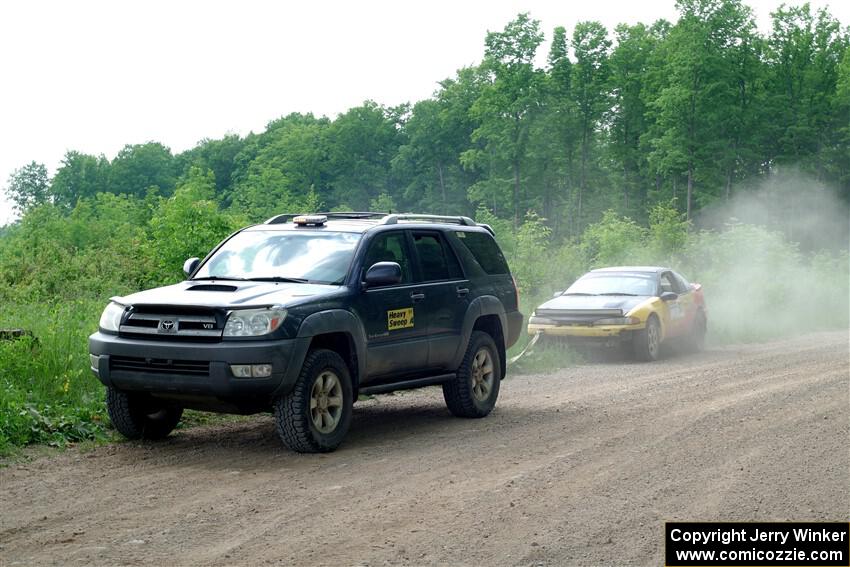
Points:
(227, 293)
(579, 302)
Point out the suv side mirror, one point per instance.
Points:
(669, 296)
(383, 273)
(190, 265)
(558, 294)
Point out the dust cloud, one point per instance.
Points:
(773, 260)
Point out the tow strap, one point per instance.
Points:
(528, 347)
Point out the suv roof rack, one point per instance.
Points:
(393, 219)
(362, 215)
(352, 215)
(384, 218)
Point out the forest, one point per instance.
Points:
(701, 143)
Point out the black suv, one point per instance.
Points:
(302, 314)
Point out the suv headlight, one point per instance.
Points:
(254, 322)
(110, 319)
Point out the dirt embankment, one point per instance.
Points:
(580, 466)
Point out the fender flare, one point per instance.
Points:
(479, 307)
(336, 321)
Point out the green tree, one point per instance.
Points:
(507, 105)
(360, 147)
(629, 62)
(186, 224)
(436, 133)
(804, 51)
(29, 186)
(590, 91)
(139, 167)
(80, 176)
(219, 156)
(289, 161)
(699, 94)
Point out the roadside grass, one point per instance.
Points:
(47, 392)
(757, 288)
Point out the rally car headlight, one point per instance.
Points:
(618, 321)
(254, 322)
(110, 319)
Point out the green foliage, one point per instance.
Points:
(613, 241)
(668, 231)
(186, 225)
(47, 393)
(627, 148)
(29, 186)
(383, 203)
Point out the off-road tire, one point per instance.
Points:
(462, 399)
(292, 412)
(695, 340)
(140, 416)
(647, 341)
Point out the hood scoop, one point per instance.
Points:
(212, 287)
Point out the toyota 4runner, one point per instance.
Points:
(304, 313)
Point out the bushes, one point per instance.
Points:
(58, 268)
(47, 393)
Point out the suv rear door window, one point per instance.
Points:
(436, 260)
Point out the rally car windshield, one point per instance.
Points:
(613, 284)
(283, 257)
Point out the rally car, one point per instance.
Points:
(635, 306)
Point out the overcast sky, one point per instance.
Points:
(93, 76)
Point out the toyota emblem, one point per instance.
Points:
(167, 326)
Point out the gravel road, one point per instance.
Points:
(576, 467)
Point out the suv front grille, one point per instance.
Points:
(202, 326)
(160, 365)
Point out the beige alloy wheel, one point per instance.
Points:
(473, 391)
(482, 374)
(326, 402)
(653, 338)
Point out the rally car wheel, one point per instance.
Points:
(140, 416)
(315, 416)
(647, 342)
(474, 391)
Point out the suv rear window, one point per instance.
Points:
(485, 251)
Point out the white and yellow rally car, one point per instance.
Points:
(644, 306)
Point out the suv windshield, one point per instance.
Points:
(613, 284)
(273, 255)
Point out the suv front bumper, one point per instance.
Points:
(154, 369)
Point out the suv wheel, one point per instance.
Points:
(314, 417)
(140, 416)
(473, 393)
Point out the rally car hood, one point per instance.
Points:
(594, 302)
(227, 293)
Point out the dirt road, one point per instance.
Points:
(581, 466)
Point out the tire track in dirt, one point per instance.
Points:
(580, 466)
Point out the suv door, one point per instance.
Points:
(446, 293)
(396, 335)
